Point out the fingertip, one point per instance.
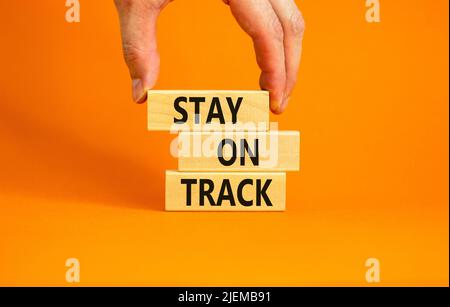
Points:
(142, 99)
(279, 106)
(138, 91)
(275, 106)
(275, 93)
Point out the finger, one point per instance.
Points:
(258, 19)
(138, 29)
(293, 29)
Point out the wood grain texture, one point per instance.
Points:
(228, 191)
(252, 114)
(268, 151)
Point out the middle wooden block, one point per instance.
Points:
(273, 151)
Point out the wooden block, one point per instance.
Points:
(186, 110)
(239, 151)
(189, 191)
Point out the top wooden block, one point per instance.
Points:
(208, 110)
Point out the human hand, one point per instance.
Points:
(275, 26)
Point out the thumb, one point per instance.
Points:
(138, 28)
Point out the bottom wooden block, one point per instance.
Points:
(198, 191)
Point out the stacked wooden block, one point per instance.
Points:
(228, 158)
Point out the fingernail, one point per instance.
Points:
(139, 95)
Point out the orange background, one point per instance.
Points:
(81, 177)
